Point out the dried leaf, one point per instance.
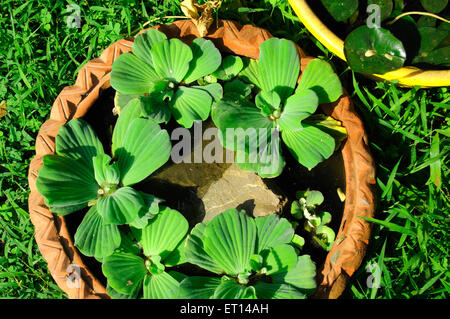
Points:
(201, 15)
(2, 109)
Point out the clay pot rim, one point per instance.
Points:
(51, 232)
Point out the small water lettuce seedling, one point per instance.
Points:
(81, 174)
(140, 265)
(253, 257)
(161, 72)
(316, 221)
(281, 106)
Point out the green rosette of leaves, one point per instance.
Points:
(251, 257)
(162, 73)
(80, 174)
(140, 266)
(282, 107)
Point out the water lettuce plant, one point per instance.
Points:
(306, 208)
(396, 38)
(162, 72)
(251, 257)
(282, 105)
(140, 265)
(81, 174)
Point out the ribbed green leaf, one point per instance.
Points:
(156, 107)
(190, 104)
(213, 89)
(124, 271)
(277, 291)
(268, 102)
(320, 77)
(298, 107)
(302, 276)
(309, 145)
(230, 67)
(131, 111)
(77, 140)
(171, 59)
(273, 231)
(162, 286)
(144, 42)
(206, 59)
(238, 87)
(117, 295)
(198, 287)
(278, 66)
(230, 240)
(131, 75)
(144, 149)
(250, 72)
(280, 258)
(230, 289)
(163, 233)
(65, 183)
(93, 238)
(177, 256)
(121, 207)
(105, 172)
(149, 211)
(195, 252)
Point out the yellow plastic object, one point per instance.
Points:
(406, 76)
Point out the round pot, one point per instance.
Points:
(51, 231)
(407, 76)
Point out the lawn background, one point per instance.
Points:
(408, 130)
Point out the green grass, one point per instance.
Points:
(408, 132)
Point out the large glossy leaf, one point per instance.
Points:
(76, 139)
(434, 46)
(320, 77)
(302, 276)
(93, 238)
(121, 207)
(163, 233)
(195, 252)
(124, 271)
(161, 286)
(131, 75)
(230, 240)
(106, 174)
(230, 67)
(373, 50)
(65, 183)
(131, 111)
(309, 145)
(144, 42)
(197, 287)
(281, 258)
(297, 108)
(278, 66)
(434, 6)
(386, 7)
(250, 72)
(277, 291)
(273, 231)
(341, 10)
(206, 59)
(144, 149)
(190, 104)
(230, 289)
(171, 59)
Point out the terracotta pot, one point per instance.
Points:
(51, 232)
